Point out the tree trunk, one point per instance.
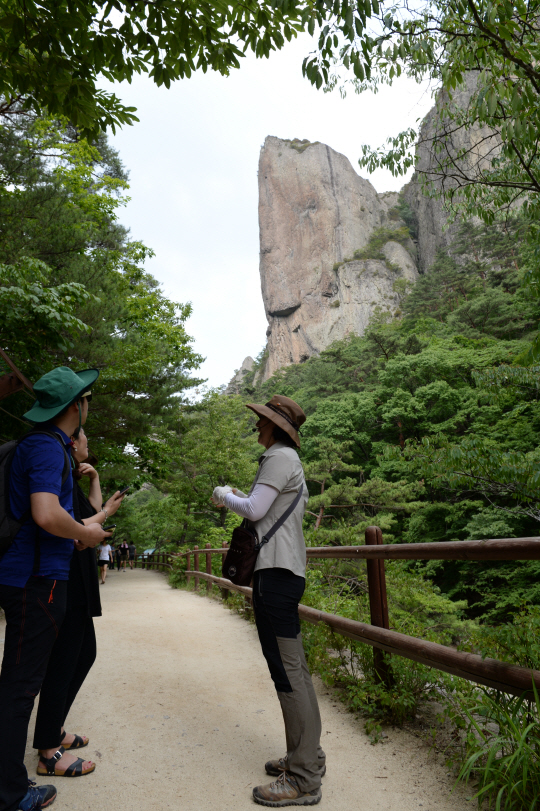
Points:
(184, 528)
(321, 511)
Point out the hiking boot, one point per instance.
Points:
(275, 767)
(37, 797)
(285, 791)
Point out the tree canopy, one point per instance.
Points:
(74, 291)
(490, 50)
(52, 55)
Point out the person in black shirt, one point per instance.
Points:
(118, 557)
(132, 552)
(74, 651)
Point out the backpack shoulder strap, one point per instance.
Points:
(65, 474)
(54, 435)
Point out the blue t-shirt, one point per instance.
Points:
(37, 467)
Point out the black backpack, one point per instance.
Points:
(9, 525)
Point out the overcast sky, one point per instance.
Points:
(193, 161)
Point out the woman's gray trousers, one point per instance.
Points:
(276, 594)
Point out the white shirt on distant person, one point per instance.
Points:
(104, 552)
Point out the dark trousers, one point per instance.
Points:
(276, 594)
(34, 615)
(72, 656)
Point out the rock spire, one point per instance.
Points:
(332, 250)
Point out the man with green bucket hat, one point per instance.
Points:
(35, 568)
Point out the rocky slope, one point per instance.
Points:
(238, 380)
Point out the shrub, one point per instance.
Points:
(506, 764)
(378, 239)
(416, 607)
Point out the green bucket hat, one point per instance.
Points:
(58, 389)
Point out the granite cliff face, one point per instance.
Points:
(471, 149)
(332, 250)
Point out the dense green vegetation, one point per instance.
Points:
(73, 290)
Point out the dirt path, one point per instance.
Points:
(182, 714)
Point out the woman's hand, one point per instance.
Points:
(113, 503)
(218, 496)
(87, 470)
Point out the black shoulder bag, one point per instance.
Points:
(240, 560)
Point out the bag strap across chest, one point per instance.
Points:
(279, 523)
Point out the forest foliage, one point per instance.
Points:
(74, 291)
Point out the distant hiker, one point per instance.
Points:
(35, 568)
(278, 585)
(118, 557)
(113, 553)
(104, 558)
(124, 552)
(132, 552)
(74, 651)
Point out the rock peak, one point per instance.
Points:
(331, 249)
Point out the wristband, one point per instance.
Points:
(103, 510)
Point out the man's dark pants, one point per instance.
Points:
(33, 616)
(72, 657)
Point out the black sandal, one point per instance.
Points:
(73, 770)
(78, 743)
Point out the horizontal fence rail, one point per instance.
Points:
(502, 676)
(503, 549)
(160, 561)
(489, 672)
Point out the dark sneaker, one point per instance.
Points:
(285, 791)
(37, 797)
(275, 767)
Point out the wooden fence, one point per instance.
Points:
(161, 562)
(489, 672)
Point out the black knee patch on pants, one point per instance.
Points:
(276, 594)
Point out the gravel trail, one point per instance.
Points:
(181, 713)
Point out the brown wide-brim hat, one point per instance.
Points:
(284, 412)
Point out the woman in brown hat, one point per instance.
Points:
(278, 585)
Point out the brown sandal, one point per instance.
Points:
(73, 770)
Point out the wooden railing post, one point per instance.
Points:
(224, 592)
(378, 603)
(188, 567)
(196, 566)
(208, 568)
